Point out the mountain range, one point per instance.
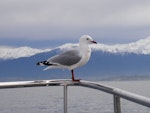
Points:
(108, 62)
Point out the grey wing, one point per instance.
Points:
(67, 58)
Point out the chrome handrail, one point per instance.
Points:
(116, 92)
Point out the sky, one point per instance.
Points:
(48, 23)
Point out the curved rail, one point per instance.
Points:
(117, 93)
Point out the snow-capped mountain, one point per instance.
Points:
(14, 53)
(139, 47)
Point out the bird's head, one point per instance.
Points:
(86, 39)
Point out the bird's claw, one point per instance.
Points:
(76, 80)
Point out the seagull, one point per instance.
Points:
(71, 59)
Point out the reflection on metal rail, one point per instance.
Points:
(117, 93)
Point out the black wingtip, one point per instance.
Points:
(44, 63)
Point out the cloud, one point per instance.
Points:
(38, 19)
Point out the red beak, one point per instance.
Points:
(94, 42)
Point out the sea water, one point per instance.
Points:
(80, 99)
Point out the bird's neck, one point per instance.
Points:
(84, 49)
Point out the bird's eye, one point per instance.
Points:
(87, 39)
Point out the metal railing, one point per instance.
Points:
(117, 93)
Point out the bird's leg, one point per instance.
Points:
(73, 79)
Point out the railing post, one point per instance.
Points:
(117, 104)
(65, 98)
